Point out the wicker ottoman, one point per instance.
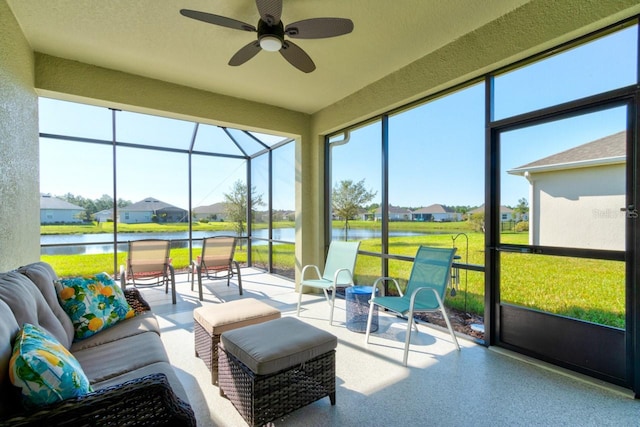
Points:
(211, 321)
(272, 369)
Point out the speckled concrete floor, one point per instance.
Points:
(440, 387)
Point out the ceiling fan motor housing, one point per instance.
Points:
(266, 30)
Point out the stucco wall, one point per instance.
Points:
(19, 177)
(76, 81)
(579, 208)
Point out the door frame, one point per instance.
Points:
(532, 332)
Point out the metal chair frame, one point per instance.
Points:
(425, 292)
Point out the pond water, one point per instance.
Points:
(103, 243)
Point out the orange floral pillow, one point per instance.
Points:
(93, 303)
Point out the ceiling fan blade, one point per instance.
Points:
(245, 53)
(297, 57)
(270, 10)
(319, 28)
(223, 21)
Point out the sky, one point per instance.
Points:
(436, 149)
(86, 169)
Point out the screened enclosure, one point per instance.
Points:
(129, 176)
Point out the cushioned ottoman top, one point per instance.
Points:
(278, 344)
(217, 318)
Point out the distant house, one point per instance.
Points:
(395, 214)
(436, 213)
(506, 214)
(285, 215)
(365, 215)
(214, 212)
(281, 215)
(151, 210)
(58, 211)
(583, 187)
(104, 216)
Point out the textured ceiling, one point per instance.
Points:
(150, 38)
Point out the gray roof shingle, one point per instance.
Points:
(612, 147)
(53, 203)
(148, 204)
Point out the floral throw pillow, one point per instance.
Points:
(93, 303)
(44, 369)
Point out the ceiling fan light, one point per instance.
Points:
(270, 43)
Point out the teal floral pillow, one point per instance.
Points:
(93, 303)
(44, 369)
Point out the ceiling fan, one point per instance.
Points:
(271, 32)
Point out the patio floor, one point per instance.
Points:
(440, 387)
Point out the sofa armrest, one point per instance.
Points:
(135, 300)
(145, 401)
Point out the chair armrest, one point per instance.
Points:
(421, 289)
(315, 267)
(172, 273)
(385, 279)
(337, 273)
(145, 401)
(123, 277)
(135, 300)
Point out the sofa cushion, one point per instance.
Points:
(44, 369)
(8, 329)
(141, 323)
(93, 303)
(28, 304)
(118, 357)
(43, 276)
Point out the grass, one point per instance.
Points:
(591, 290)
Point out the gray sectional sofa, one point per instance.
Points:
(132, 380)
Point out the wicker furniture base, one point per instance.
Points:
(264, 398)
(225, 317)
(207, 349)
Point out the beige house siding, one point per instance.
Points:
(589, 199)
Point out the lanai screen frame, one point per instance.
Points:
(491, 125)
(264, 150)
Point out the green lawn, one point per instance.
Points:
(592, 290)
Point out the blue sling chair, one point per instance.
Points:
(425, 291)
(338, 271)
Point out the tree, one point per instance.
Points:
(522, 209)
(92, 206)
(236, 205)
(477, 221)
(348, 199)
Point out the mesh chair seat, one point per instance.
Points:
(217, 256)
(148, 260)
